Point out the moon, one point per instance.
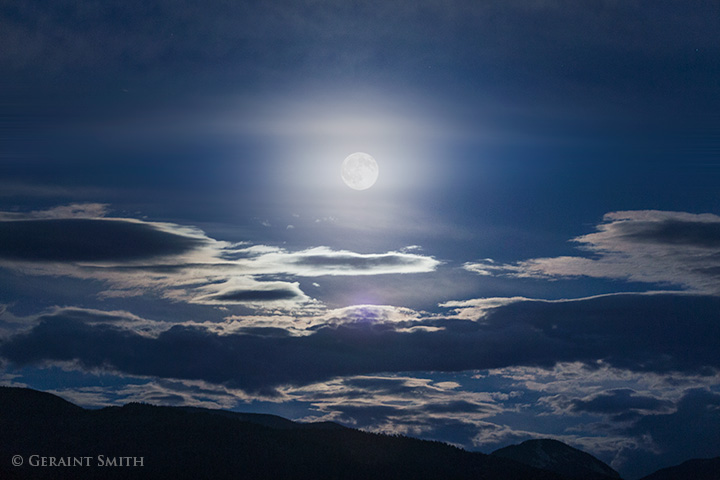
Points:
(359, 171)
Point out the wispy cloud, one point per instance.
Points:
(320, 261)
(156, 391)
(663, 248)
(73, 210)
(621, 401)
(397, 404)
(182, 263)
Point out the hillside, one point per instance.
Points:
(560, 458)
(696, 469)
(181, 443)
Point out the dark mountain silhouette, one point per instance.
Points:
(559, 458)
(194, 443)
(696, 469)
(191, 443)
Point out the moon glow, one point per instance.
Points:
(359, 171)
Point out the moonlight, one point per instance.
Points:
(359, 171)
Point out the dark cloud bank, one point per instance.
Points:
(642, 333)
(690, 430)
(619, 402)
(672, 232)
(78, 240)
(257, 295)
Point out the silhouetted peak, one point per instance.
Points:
(22, 401)
(558, 457)
(695, 469)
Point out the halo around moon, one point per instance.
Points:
(359, 171)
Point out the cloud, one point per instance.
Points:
(488, 410)
(89, 240)
(614, 414)
(353, 366)
(73, 210)
(154, 391)
(256, 295)
(478, 308)
(82, 234)
(320, 258)
(491, 435)
(242, 28)
(371, 314)
(314, 317)
(321, 261)
(666, 248)
(692, 430)
(642, 333)
(620, 401)
(697, 413)
(398, 404)
(575, 389)
(250, 292)
(587, 371)
(181, 263)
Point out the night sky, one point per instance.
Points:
(539, 257)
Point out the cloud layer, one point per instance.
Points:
(666, 248)
(604, 373)
(89, 240)
(135, 257)
(642, 333)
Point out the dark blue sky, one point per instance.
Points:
(540, 256)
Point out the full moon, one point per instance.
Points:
(359, 171)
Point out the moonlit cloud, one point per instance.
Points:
(325, 261)
(177, 262)
(157, 391)
(82, 235)
(314, 317)
(74, 210)
(396, 404)
(89, 240)
(246, 290)
(477, 308)
(618, 330)
(665, 248)
(600, 406)
(594, 408)
(621, 401)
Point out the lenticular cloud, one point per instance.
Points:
(673, 249)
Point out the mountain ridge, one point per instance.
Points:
(695, 469)
(559, 458)
(193, 442)
(180, 443)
